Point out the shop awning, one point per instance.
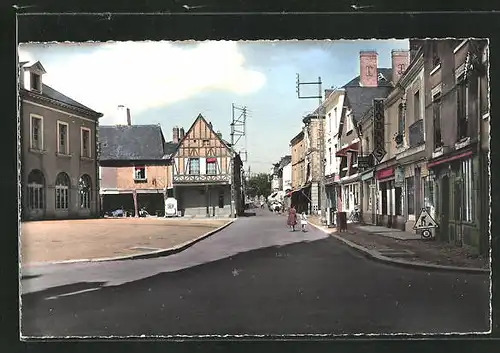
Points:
(354, 147)
(448, 159)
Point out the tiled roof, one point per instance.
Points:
(360, 98)
(285, 161)
(54, 94)
(134, 142)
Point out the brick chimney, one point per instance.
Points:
(368, 63)
(181, 133)
(175, 135)
(400, 62)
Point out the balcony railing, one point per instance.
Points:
(202, 178)
(416, 133)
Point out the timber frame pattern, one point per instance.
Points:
(202, 142)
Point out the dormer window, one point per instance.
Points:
(35, 82)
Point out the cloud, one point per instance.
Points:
(142, 75)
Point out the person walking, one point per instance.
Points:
(292, 218)
(303, 221)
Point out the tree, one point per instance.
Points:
(259, 184)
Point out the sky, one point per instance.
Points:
(170, 83)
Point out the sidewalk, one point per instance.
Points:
(393, 245)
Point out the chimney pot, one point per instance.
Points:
(181, 133)
(368, 71)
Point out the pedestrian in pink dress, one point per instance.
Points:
(292, 218)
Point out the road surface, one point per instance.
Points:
(254, 277)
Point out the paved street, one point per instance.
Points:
(254, 277)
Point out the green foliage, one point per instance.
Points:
(259, 184)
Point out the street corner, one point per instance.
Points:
(110, 239)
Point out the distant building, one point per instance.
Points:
(203, 173)
(135, 167)
(59, 170)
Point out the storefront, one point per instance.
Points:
(350, 189)
(390, 208)
(456, 199)
(301, 199)
(331, 199)
(368, 198)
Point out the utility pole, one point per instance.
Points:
(320, 141)
(238, 130)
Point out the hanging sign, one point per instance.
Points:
(399, 176)
(379, 151)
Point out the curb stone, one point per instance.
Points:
(375, 255)
(148, 255)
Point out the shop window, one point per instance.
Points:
(428, 194)
(410, 195)
(467, 186)
(383, 190)
(398, 194)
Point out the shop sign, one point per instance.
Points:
(385, 173)
(399, 176)
(367, 176)
(379, 151)
(363, 162)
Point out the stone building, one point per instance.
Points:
(300, 197)
(457, 123)
(135, 167)
(59, 167)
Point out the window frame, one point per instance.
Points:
(85, 195)
(467, 192)
(59, 124)
(35, 190)
(436, 117)
(462, 114)
(417, 107)
(84, 130)
(38, 80)
(40, 137)
(134, 172)
(190, 166)
(62, 194)
(211, 163)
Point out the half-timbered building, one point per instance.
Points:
(205, 166)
